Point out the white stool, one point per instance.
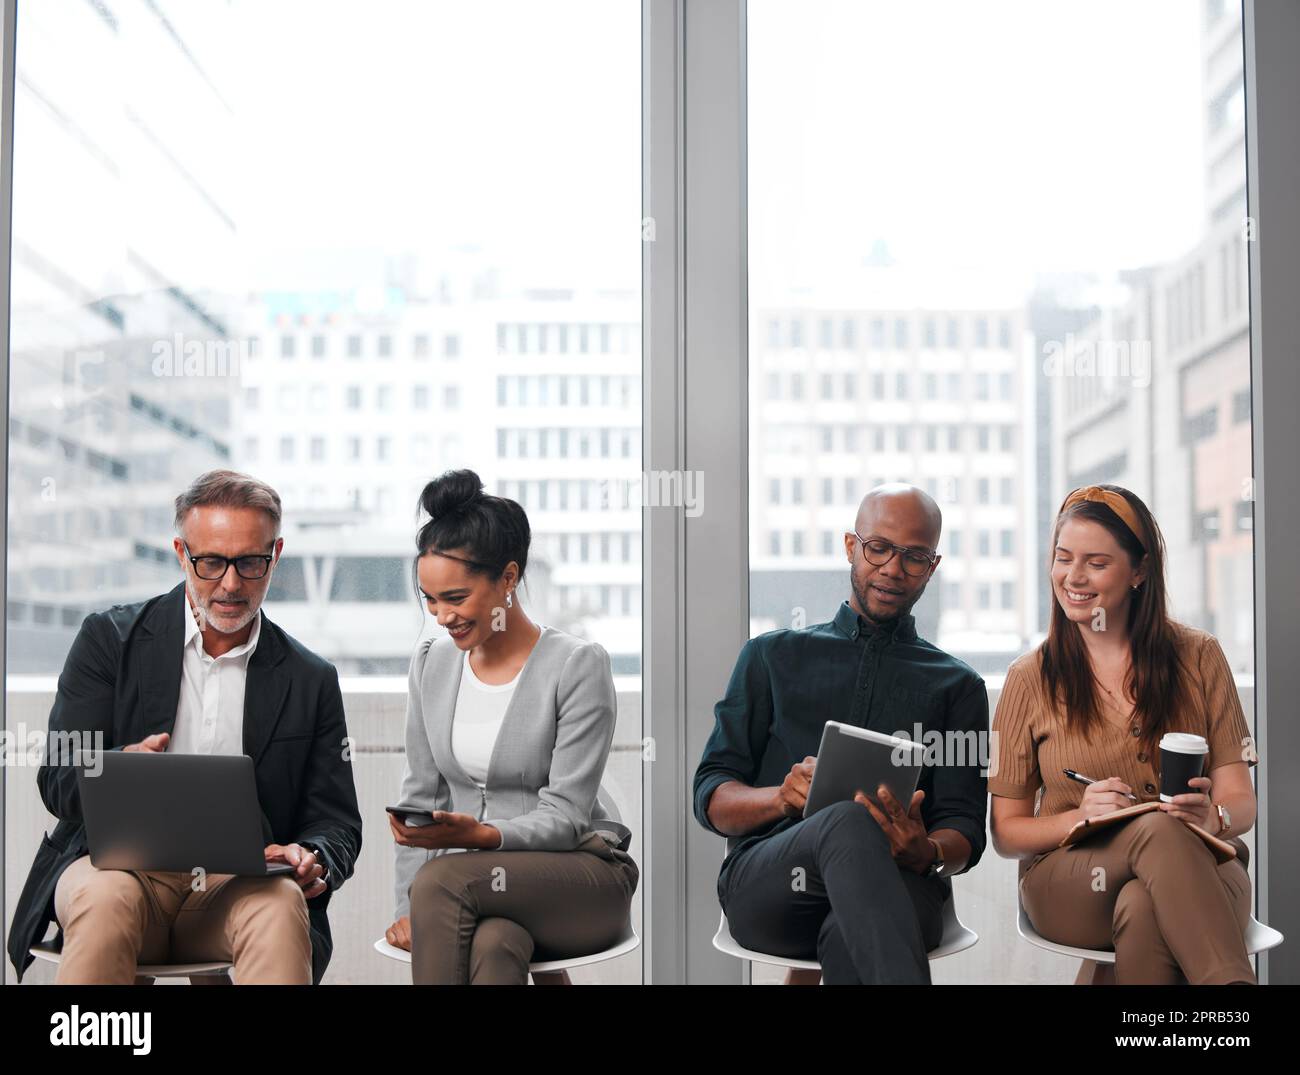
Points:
(218, 971)
(627, 942)
(956, 938)
(1098, 963)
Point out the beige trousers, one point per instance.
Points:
(114, 919)
(1152, 891)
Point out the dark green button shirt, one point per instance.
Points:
(788, 683)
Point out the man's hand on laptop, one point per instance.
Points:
(309, 869)
(793, 792)
(153, 744)
(908, 840)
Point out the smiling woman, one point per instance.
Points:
(1114, 675)
(509, 726)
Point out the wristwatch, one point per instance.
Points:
(316, 851)
(936, 867)
(1225, 819)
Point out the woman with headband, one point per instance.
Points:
(1115, 674)
(508, 728)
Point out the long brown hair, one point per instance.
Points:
(1155, 679)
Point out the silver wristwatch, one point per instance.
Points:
(936, 867)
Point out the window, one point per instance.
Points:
(318, 346)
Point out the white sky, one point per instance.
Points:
(1007, 136)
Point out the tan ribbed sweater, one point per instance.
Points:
(1032, 747)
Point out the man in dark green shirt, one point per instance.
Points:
(859, 885)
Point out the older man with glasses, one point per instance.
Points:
(859, 885)
(201, 670)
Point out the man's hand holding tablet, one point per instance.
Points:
(908, 840)
(792, 795)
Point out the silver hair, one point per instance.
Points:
(228, 489)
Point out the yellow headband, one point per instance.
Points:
(1118, 504)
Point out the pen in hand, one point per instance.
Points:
(1081, 779)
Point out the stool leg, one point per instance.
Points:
(211, 979)
(795, 976)
(1093, 973)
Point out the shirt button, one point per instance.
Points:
(1149, 788)
(1135, 730)
(1142, 756)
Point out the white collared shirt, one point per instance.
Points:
(210, 711)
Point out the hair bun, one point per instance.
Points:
(451, 492)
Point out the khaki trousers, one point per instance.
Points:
(1152, 891)
(114, 919)
(481, 917)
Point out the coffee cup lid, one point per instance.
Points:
(1184, 743)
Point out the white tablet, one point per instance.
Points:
(852, 759)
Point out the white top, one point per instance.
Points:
(210, 710)
(480, 709)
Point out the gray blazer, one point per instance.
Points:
(548, 759)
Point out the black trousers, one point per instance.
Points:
(828, 889)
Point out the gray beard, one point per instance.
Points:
(206, 619)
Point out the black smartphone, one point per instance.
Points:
(412, 819)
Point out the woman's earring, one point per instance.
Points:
(510, 599)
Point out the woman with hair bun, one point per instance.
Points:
(1114, 675)
(508, 729)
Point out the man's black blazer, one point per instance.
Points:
(123, 678)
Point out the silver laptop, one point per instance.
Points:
(175, 812)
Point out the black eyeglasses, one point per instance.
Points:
(211, 568)
(878, 553)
